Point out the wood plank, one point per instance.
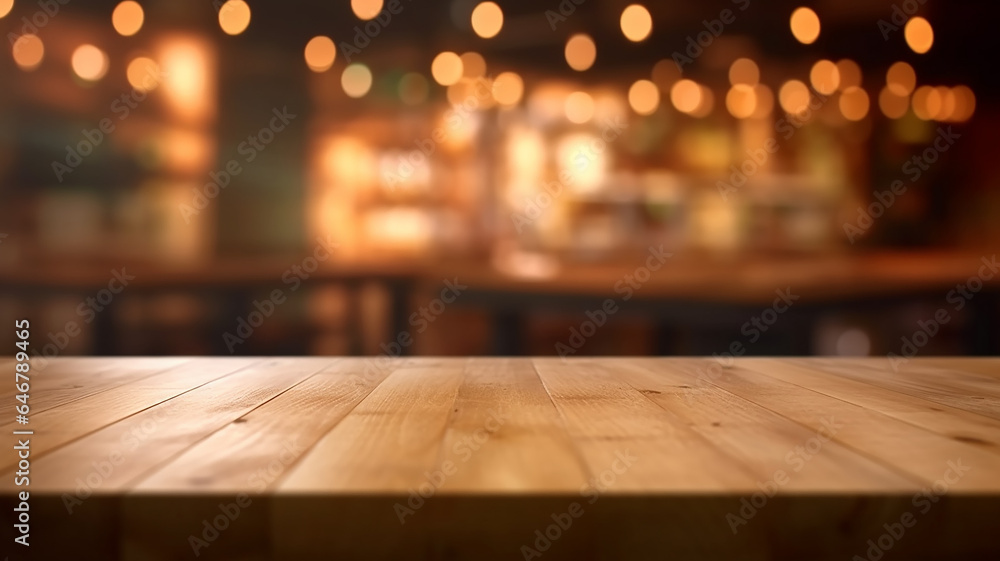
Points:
(984, 366)
(68, 422)
(608, 419)
(762, 440)
(939, 391)
(902, 446)
(951, 422)
(504, 434)
(149, 438)
(389, 441)
(53, 389)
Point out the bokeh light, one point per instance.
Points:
(765, 101)
(901, 79)
(805, 25)
(965, 104)
(665, 73)
(28, 51)
(234, 17)
(508, 89)
(854, 103)
(825, 77)
(741, 101)
(356, 80)
(447, 68)
(487, 20)
(127, 18)
(850, 74)
(5, 7)
(892, 104)
(636, 23)
(644, 97)
(794, 97)
(366, 9)
(320, 53)
(744, 71)
(580, 52)
(919, 35)
(143, 74)
(926, 103)
(686, 96)
(89, 62)
(473, 65)
(579, 107)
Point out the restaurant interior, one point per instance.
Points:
(556, 177)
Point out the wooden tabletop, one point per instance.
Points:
(183, 428)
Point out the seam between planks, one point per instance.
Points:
(565, 425)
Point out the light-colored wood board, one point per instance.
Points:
(958, 424)
(900, 445)
(939, 390)
(634, 444)
(389, 442)
(145, 440)
(921, 374)
(765, 442)
(505, 435)
(64, 424)
(984, 366)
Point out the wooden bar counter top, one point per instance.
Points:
(509, 458)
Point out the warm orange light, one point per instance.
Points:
(854, 103)
(948, 104)
(636, 23)
(849, 72)
(892, 104)
(356, 80)
(234, 17)
(686, 96)
(965, 104)
(127, 18)
(765, 101)
(644, 97)
(487, 20)
(473, 65)
(320, 53)
(28, 51)
(413, 88)
(188, 74)
(741, 101)
(744, 71)
(794, 97)
(805, 25)
(926, 103)
(366, 9)
(580, 52)
(143, 74)
(825, 77)
(706, 105)
(89, 62)
(508, 89)
(665, 73)
(5, 7)
(919, 35)
(901, 79)
(579, 107)
(447, 68)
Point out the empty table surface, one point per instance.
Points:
(140, 435)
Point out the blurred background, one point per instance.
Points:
(571, 177)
